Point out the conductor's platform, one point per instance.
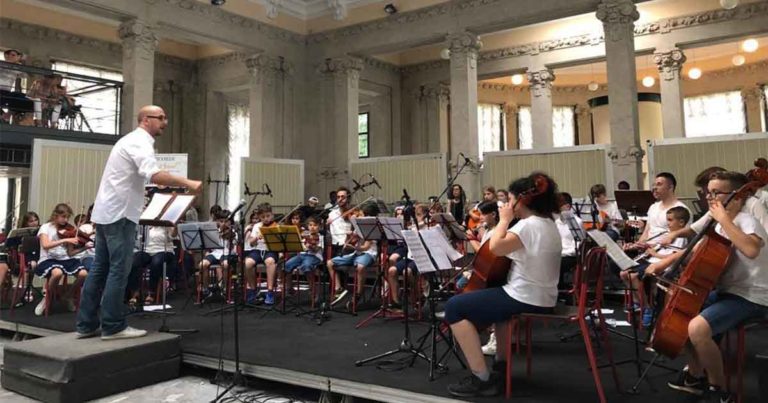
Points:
(62, 368)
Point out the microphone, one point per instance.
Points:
(374, 181)
(357, 186)
(238, 208)
(467, 160)
(269, 191)
(405, 195)
(247, 191)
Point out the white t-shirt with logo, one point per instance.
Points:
(535, 268)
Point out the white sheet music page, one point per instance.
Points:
(418, 251)
(180, 205)
(613, 249)
(438, 245)
(156, 205)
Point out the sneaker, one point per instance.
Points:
(688, 383)
(339, 295)
(472, 386)
(87, 335)
(270, 298)
(647, 317)
(250, 296)
(490, 347)
(71, 307)
(40, 308)
(714, 394)
(127, 333)
(635, 308)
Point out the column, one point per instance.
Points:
(345, 75)
(418, 110)
(139, 45)
(436, 97)
(754, 99)
(670, 65)
(618, 17)
(584, 124)
(510, 123)
(288, 144)
(262, 90)
(464, 48)
(541, 107)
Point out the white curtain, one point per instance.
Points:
(490, 131)
(715, 114)
(99, 107)
(563, 127)
(239, 139)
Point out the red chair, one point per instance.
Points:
(588, 282)
(740, 356)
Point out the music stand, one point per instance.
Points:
(381, 230)
(451, 227)
(636, 201)
(200, 237)
(282, 239)
(166, 210)
(24, 239)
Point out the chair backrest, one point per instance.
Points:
(590, 279)
(30, 244)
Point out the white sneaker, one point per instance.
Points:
(490, 347)
(127, 333)
(40, 308)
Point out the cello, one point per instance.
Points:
(702, 269)
(491, 270)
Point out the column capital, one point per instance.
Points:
(439, 92)
(616, 16)
(341, 66)
(262, 67)
(464, 42)
(137, 33)
(583, 110)
(540, 81)
(627, 154)
(754, 93)
(511, 109)
(669, 63)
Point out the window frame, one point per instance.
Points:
(366, 134)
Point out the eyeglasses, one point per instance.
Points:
(160, 117)
(714, 193)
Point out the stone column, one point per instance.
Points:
(139, 45)
(541, 107)
(436, 97)
(345, 74)
(288, 144)
(670, 65)
(618, 17)
(264, 71)
(418, 115)
(584, 123)
(464, 48)
(510, 123)
(754, 99)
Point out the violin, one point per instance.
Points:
(311, 241)
(68, 230)
(352, 238)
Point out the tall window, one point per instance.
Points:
(239, 141)
(99, 105)
(363, 135)
(490, 128)
(563, 127)
(715, 114)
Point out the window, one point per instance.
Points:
(715, 114)
(490, 128)
(563, 127)
(99, 104)
(239, 144)
(765, 108)
(363, 135)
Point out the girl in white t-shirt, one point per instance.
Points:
(55, 262)
(533, 245)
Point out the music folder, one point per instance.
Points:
(165, 210)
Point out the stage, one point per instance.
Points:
(296, 351)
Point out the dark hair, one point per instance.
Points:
(254, 213)
(597, 190)
(311, 220)
(27, 217)
(735, 179)
(702, 179)
(489, 188)
(623, 185)
(370, 209)
(264, 208)
(544, 204)
(7, 51)
(668, 176)
(80, 219)
(214, 210)
(680, 213)
(488, 207)
(221, 215)
(566, 198)
(343, 188)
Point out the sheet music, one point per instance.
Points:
(418, 251)
(366, 227)
(570, 220)
(200, 235)
(156, 205)
(613, 249)
(441, 249)
(179, 206)
(392, 227)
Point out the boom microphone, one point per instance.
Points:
(374, 181)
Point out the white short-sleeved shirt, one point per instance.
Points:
(745, 277)
(752, 206)
(676, 245)
(657, 218)
(261, 244)
(121, 191)
(319, 253)
(248, 233)
(535, 268)
(339, 227)
(566, 235)
(55, 253)
(611, 209)
(158, 240)
(88, 252)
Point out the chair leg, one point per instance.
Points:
(528, 346)
(512, 328)
(592, 360)
(608, 349)
(740, 347)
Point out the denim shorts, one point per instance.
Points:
(486, 307)
(724, 311)
(402, 263)
(352, 259)
(261, 256)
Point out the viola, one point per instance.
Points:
(699, 271)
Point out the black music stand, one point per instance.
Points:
(635, 201)
(23, 237)
(282, 239)
(200, 237)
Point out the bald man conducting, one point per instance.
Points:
(116, 213)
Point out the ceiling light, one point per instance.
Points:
(694, 73)
(218, 2)
(729, 4)
(390, 9)
(750, 45)
(648, 81)
(445, 54)
(738, 60)
(593, 86)
(517, 79)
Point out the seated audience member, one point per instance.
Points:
(12, 99)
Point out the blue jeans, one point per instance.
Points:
(106, 281)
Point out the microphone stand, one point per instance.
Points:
(218, 182)
(467, 162)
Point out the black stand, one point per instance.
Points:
(281, 243)
(218, 182)
(164, 325)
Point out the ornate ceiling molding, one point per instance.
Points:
(381, 65)
(45, 33)
(220, 60)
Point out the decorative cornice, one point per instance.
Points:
(759, 67)
(175, 61)
(719, 15)
(220, 60)
(541, 82)
(341, 66)
(669, 63)
(618, 17)
(439, 92)
(45, 33)
(430, 65)
(570, 89)
(381, 65)
(464, 42)
(266, 68)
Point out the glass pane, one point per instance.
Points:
(715, 114)
(489, 128)
(99, 108)
(239, 138)
(362, 123)
(362, 146)
(563, 130)
(525, 128)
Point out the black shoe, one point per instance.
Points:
(472, 386)
(714, 394)
(688, 383)
(395, 306)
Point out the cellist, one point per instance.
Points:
(741, 293)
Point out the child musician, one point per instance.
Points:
(305, 262)
(31, 256)
(403, 264)
(85, 252)
(218, 257)
(250, 273)
(261, 255)
(363, 254)
(55, 263)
